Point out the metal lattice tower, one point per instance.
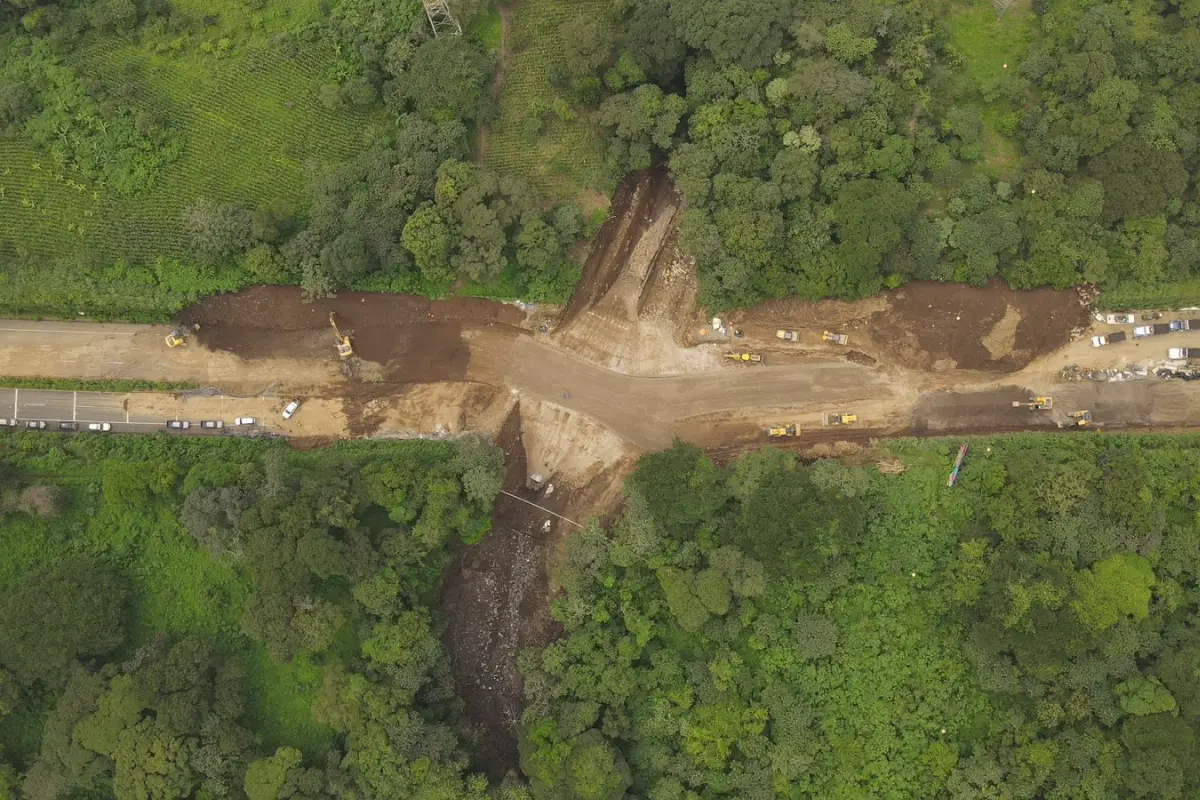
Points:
(442, 21)
(1001, 6)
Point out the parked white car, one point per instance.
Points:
(100, 426)
(245, 421)
(290, 409)
(212, 423)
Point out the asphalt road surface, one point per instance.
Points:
(54, 407)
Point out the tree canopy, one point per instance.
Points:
(769, 629)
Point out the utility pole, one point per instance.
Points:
(442, 20)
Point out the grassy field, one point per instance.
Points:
(252, 127)
(560, 156)
(991, 49)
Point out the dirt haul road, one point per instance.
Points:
(641, 410)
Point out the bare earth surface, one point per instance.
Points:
(574, 394)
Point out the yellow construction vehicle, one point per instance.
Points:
(177, 338)
(745, 358)
(1037, 403)
(841, 419)
(344, 348)
(1081, 417)
(779, 431)
(834, 338)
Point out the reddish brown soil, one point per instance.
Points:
(924, 325)
(417, 340)
(635, 203)
(950, 321)
(496, 596)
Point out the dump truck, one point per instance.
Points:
(1142, 331)
(1036, 404)
(779, 431)
(841, 419)
(787, 336)
(745, 358)
(1183, 352)
(834, 338)
(1108, 338)
(1081, 417)
(344, 348)
(1185, 325)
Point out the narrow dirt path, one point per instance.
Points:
(498, 76)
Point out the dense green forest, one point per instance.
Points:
(231, 619)
(772, 630)
(154, 151)
(835, 148)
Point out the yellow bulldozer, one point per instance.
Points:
(745, 358)
(834, 338)
(841, 419)
(780, 431)
(344, 348)
(1037, 403)
(1082, 417)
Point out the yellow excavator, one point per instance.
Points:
(1037, 403)
(344, 348)
(745, 358)
(178, 337)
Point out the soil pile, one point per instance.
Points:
(942, 325)
(415, 339)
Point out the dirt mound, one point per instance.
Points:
(638, 290)
(637, 202)
(416, 340)
(949, 326)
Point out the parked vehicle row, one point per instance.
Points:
(176, 424)
(40, 425)
(1142, 331)
(209, 424)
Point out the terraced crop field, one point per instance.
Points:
(253, 130)
(562, 158)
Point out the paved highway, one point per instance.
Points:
(124, 412)
(59, 406)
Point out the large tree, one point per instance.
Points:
(74, 609)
